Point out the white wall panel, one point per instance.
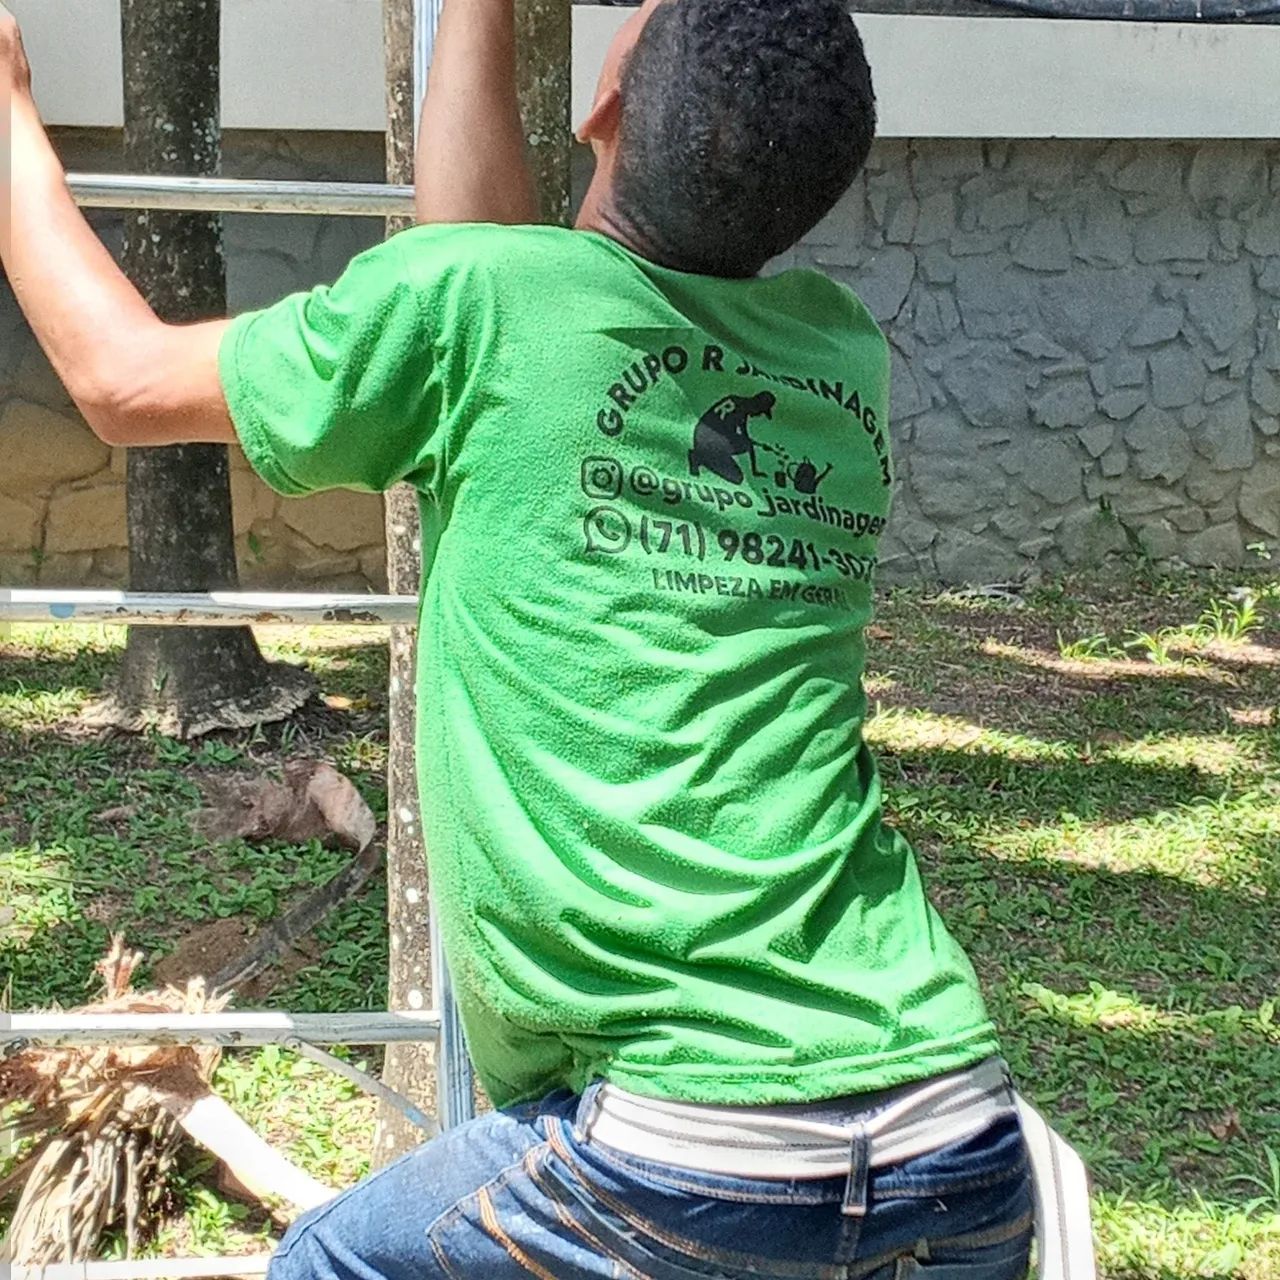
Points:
(317, 64)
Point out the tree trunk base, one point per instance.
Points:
(187, 683)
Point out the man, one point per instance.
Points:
(729, 1033)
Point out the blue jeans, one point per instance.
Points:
(516, 1194)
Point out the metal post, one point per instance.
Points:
(426, 22)
(455, 1077)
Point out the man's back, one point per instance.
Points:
(651, 511)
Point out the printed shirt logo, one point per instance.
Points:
(723, 435)
(748, 518)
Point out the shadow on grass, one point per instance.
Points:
(995, 790)
(32, 668)
(24, 670)
(1042, 696)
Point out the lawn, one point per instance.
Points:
(1091, 774)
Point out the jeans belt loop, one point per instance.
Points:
(588, 1111)
(855, 1191)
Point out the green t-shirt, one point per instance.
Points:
(651, 504)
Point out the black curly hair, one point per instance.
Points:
(743, 122)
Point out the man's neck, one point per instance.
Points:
(600, 215)
(597, 214)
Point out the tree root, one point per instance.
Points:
(287, 691)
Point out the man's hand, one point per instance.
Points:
(14, 68)
(135, 379)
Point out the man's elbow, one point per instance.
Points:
(161, 392)
(110, 384)
(111, 429)
(128, 422)
(116, 414)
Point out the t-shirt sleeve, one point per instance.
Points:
(339, 387)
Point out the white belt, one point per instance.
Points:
(801, 1142)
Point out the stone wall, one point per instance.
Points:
(62, 493)
(1086, 343)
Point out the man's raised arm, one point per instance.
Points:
(136, 379)
(471, 164)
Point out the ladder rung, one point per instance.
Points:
(254, 1264)
(240, 1027)
(206, 609)
(239, 195)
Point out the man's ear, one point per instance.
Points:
(602, 124)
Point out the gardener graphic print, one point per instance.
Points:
(723, 435)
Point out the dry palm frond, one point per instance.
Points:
(104, 1145)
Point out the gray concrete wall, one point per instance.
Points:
(1086, 343)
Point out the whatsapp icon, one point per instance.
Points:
(607, 531)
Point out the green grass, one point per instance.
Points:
(95, 836)
(1093, 781)
(95, 830)
(1101, 827)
